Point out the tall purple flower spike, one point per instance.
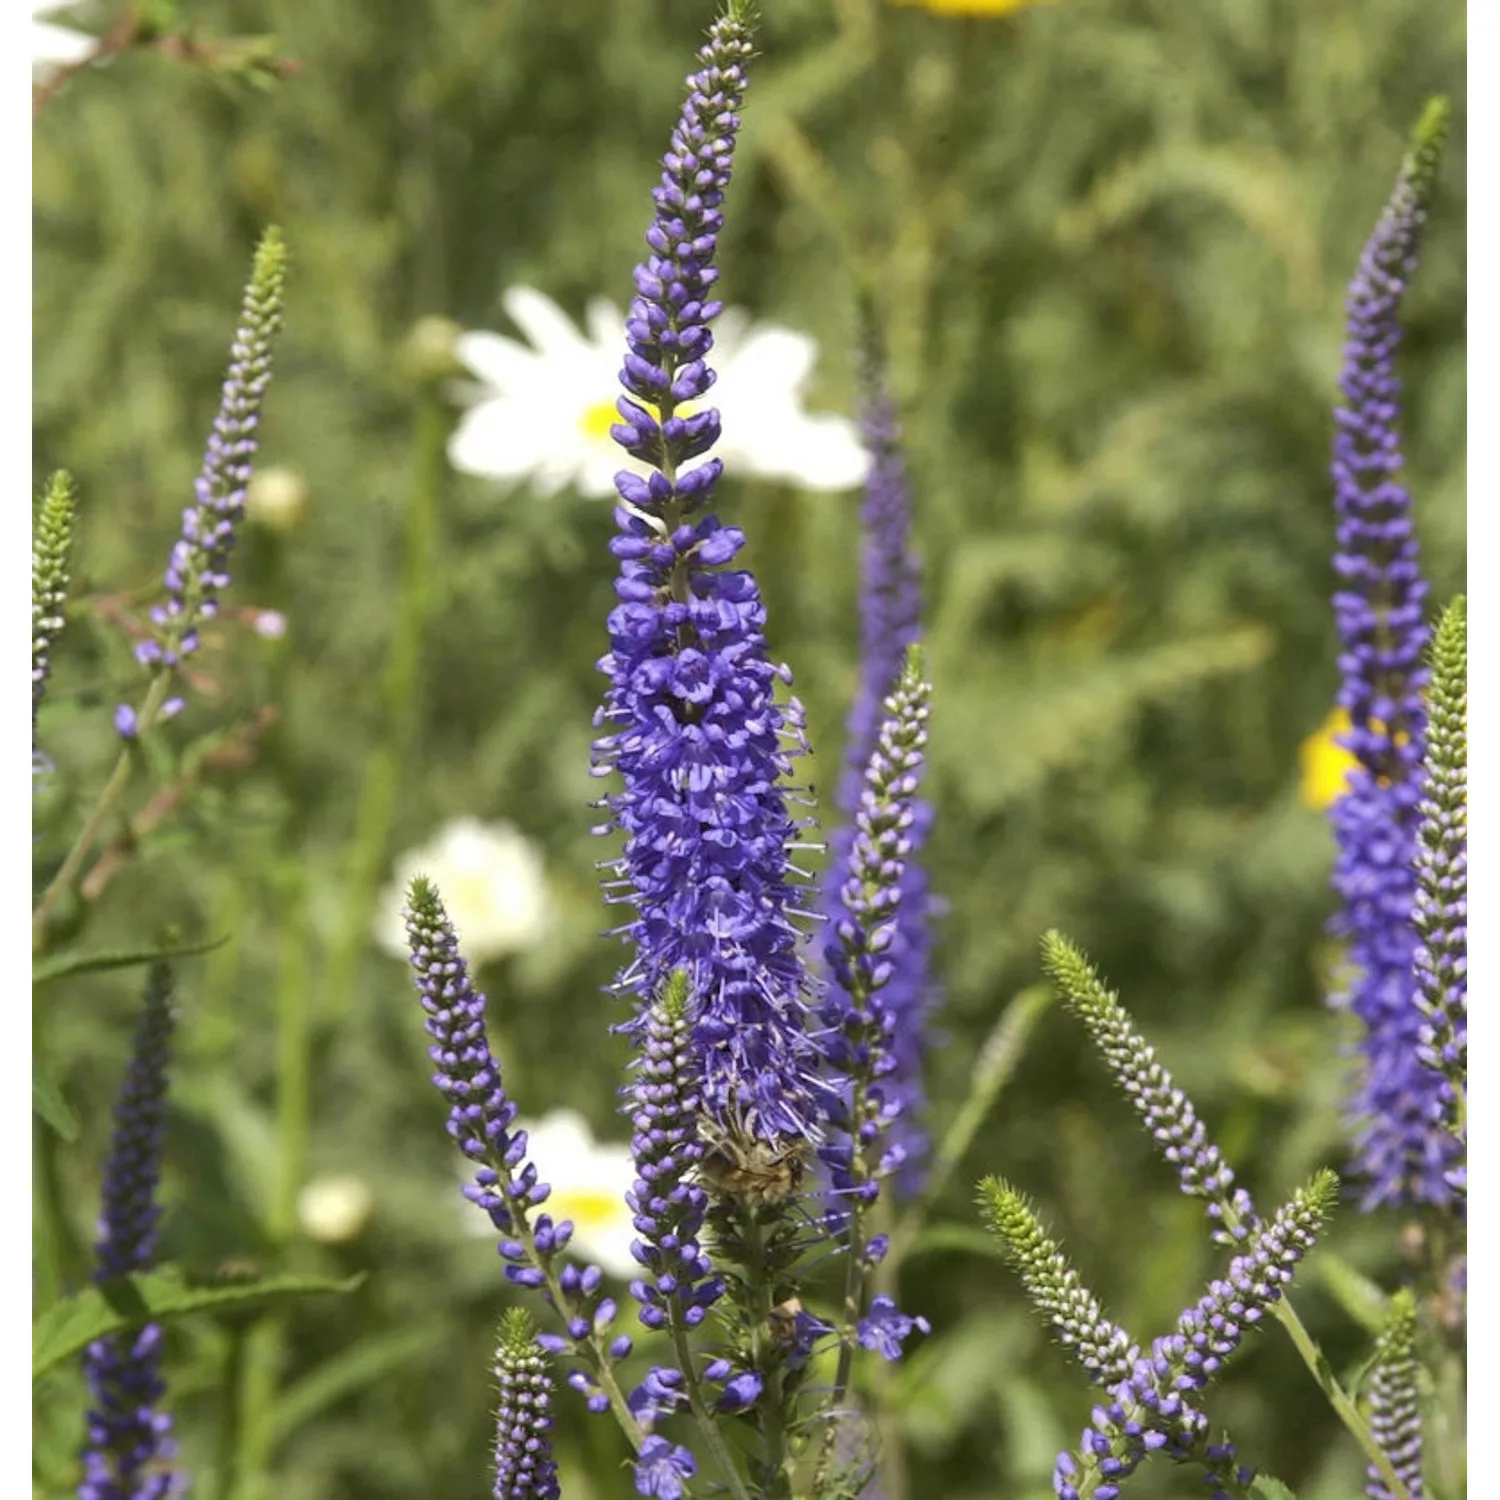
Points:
(129, 1446)
(1402, 1152)
(690, 722)
(1441, 915)
(524, 1467)
(890, 605)
(868, 1094)
(480, 1117)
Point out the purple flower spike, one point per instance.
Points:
(1149, 1411)
(1395, 1406)
(1401, 1148)
(199, 565)
(667, 1201)
(1164, 1109)
(524, 1467)
(480, 1115)
(479, 1110)
(129, 1444)
(862, 1021)
(1441, 917)
(890, 606)
(690, 721)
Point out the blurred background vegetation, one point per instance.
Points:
(1110, 239)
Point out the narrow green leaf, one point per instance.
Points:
(48, 1102)
(63, 964)
(1364, 1302)
(370, 1360)
(69, 1326)
(1271, 1489)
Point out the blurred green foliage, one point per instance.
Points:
(1109, 239)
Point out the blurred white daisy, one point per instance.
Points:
(335, 1209)
(277, 498)
(589, 1180)
(55, 46)
(493, 886)
(545, 408)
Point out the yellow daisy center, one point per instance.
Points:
(601, 416)
(598, 419)
(588, 1208)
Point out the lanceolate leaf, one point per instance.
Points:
(63, 964)
(69, 1326)
(48, 1102)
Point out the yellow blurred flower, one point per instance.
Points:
(1326, 764)
(974, 7)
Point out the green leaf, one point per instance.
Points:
(1360, 1298)
(48, 1102)
(1271, 1489)
(64, 964)
(69, 1326)
(370, 1360)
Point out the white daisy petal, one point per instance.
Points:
(495, 439)
(823, 452)
(544, 323)
(549, 423)
(492, 884)
(606, 325)
(500, 362)
(57, 46)
(770, 358)
(589, 1180)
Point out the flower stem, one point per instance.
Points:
(992, 1071)
(265, 1343)
(399, 693)
(712, 1437)
(111, 793)
(765, 1357)
(1316, 1361)
(855, 1273)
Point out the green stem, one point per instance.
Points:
(992, 1071)
(765, 1357)
(855, 1272)
(88, 835)
(58, 1257)
(265, 1343)
(1338, 1398)
(598, 1352)
(1316, 1361)
(712, 1437)
(399, 701)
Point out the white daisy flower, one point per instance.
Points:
(55, 46)
(277, 498)
(545, 408)
(589, 1180)
(491, 879)
(335, 1209)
